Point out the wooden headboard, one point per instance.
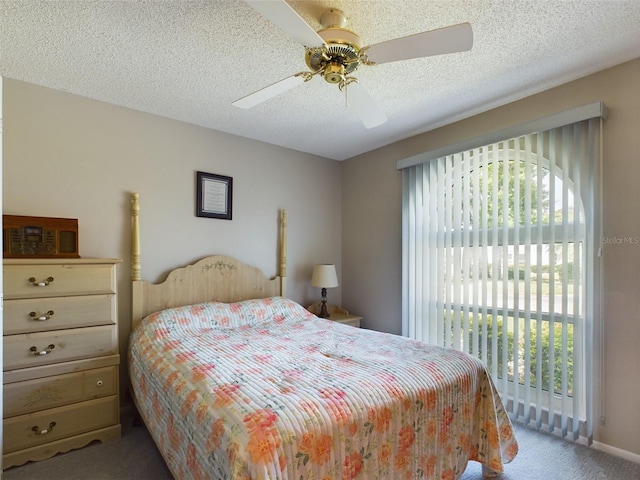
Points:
(216, 278)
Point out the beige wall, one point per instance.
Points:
(68, 156)
(372, 230)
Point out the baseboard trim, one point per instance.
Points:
(618, 452)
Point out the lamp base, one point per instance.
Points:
(323, 309)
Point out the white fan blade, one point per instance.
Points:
(456, 38)
(366, 108)
(271, 91)
(288, 20)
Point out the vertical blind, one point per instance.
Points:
(500, 260)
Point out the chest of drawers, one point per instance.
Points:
(60, 360)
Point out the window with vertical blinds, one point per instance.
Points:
(500, 260)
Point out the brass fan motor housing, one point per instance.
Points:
(338, 57)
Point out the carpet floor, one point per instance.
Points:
(135, 457)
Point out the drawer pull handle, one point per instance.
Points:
(35, 351)
(33, 282)
(44, 431)
(41, 318)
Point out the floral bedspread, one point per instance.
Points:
(263, 389)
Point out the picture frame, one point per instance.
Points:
(214, 195)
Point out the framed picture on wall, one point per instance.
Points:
(213, 195)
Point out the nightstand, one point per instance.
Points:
(336, 314)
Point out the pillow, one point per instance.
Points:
(218, 315)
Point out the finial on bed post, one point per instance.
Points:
(135, 238)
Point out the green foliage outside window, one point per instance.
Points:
(544, 375)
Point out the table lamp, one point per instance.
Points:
(324, 276)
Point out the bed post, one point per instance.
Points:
(283, 253)
(136, 277)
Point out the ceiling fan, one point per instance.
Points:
(335, 52)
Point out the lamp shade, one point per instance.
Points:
(324, 276)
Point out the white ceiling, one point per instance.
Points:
(189, 60)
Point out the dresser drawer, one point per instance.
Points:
(49, 392)
(55, 313)
(54, 424)
(28, 350)
(33, 280)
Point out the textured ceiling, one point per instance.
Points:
(189, 60)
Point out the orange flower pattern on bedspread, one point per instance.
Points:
(263, 389)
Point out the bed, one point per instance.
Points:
(236, 381)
